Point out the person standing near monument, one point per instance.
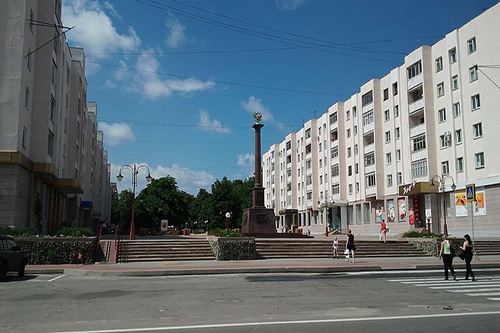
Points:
(349, 244)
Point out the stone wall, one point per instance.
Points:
(46, 251)
(233, 248)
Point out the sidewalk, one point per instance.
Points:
(309, 265)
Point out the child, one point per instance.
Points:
(335, 247)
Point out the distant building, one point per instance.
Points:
(52, 163)
(373, 156)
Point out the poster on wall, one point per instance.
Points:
(460, 204)
(402, 209)
(480, 204)
(391, 214)
(411, 213)
(379, 213)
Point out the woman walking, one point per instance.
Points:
(445, 253)
(468, 248)
(349, 244)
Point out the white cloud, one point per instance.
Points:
(208, 125)
(116, 133)
(288, 4)
(152, 86)
(188, 180)
(94, 30)
(255, 105)
(247, 163)
(177, 32)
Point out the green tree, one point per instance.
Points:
(125, 210)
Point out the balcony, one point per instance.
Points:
(415, 106)
(416, 130)
(371, 191)
(415, 81)
(367, 107)
(369, 148)
(419, 155)
(368, 127)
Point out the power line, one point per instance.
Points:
(217, 81)
(496, 85)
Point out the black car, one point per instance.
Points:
(12, 258)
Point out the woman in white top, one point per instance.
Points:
(445, 253)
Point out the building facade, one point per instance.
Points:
(53, 168)
(403, 148)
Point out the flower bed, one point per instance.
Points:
(47, 251)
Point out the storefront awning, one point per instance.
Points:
(68, 185)
(418, 188)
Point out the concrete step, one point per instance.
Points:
(165, 250)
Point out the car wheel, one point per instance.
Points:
(4, 267)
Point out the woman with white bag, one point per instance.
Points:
(349, 246)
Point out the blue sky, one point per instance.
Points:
(177, 81)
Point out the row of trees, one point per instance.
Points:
(162, 199)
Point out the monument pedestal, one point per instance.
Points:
(258, 221)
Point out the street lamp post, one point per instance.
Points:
(442, 180)
(135, 170)
(325, 205)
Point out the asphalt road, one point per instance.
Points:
(356, 302)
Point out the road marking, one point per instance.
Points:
(494, 299)
(56, 278)
(453, 284)
(473, 290)
(293, 322)
(496, 285)
(484, 294)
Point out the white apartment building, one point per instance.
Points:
(433, 119)
(52, 164)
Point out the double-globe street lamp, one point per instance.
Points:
(135, 170)
(326, 205)
(441, 182)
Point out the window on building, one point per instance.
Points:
(387, 136)
(367, 98)
(308, 149)
(27, 99)
(400, 178)
(355, 129)
(445, 141)
(321, 179)
(476, 103)
(309, 195)
(471, 45)
(473, 73)
(289, 145)
(386, 94)
(414, 69)
(389, 180)
(25, 137)
(460, 164)
(350, 191)
(370, 180)
(398, 134)
(353, 111)
(50, 145)
(348, 132)
(308, 179)
(333, 118)
(456, 109)
(336, 189)
(387, 116)
(388, 158)
(320, 163)
(369, 159)
(348, 151)
(445, 168)
(335, 170)
(334, 135)
(349, 170)
(308, 164)
(368, 118)
(458, 136)
(419, 143)
(396, 111)
(52, 107)
(395, 88)
(477, 130)
(419, 168)
(355, 149)
(348, 115)
(334, 152)
(454, 82)
(453, 55)
(398, 155)
(356, 167)
(439, 64)
(442, 115)
(308, 133)
(479, 160)
(440, 89)
(357, 187)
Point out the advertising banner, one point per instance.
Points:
(391, 214)
(402, 209)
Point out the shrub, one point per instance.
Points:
(18, 231)
(417, 234)
(75, 232)
(223, 233)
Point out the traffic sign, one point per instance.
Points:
(470, 192)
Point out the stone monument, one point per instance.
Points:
(258, 220)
